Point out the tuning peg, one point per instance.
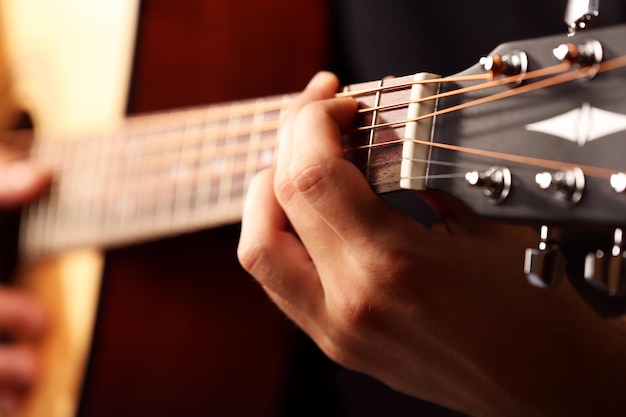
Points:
(606, 271)
(495, 182)
(511, 64)
(567, 185)
(618, 182)
(588, 54)
(545, 266)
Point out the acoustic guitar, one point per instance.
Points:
(521, 136)
(159, 175)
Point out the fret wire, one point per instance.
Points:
(102, 149)
(170, 168)
(200, 191)
(67, 187)
(490, 83)
(163, 215)
(252, 161)
(122, 207)
(560, 78)
(373, 131)
(86, 161)
(224, 112)
(32, 239)
(209, 160)
(165, 138)
(151, 139)
(230, 150)
(99, 171)
(116, 214)
(159, 182)
(142, 220)
(409, 84)
(226, 185)
(183, 191)
(52, 208)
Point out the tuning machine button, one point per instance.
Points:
(588, 54)
(605, 271)
(567, 185)
(618, 182)
(495, 182)
(545, 266)
(508, 65)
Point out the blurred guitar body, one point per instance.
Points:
(179, 329)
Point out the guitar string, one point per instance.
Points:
(243, 131)
(583, 72)
(220, 112)
(406, 85)
(236, 168)
(464, 90)
(211, 116)
(616, 63)
(613, 64)
(216, 112)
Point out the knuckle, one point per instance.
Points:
(335, 352)
(355, 312)
(308, 180)
(347, 340)
(387, 267)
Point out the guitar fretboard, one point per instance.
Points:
(177, 172)
(158, 175)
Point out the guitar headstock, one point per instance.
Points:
(557, 148)
(544, 146)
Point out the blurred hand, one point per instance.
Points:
(443, 314)
(22, 320)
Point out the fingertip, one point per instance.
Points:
(323, 80)
(22, 181)
(259, 216)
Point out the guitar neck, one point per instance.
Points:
(171, 173)
(157, 175)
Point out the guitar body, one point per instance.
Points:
(180, 317)
(69, 85)
(180, 329)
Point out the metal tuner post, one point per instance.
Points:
(580, 14)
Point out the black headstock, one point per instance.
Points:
(574, 129)
(552, 153)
